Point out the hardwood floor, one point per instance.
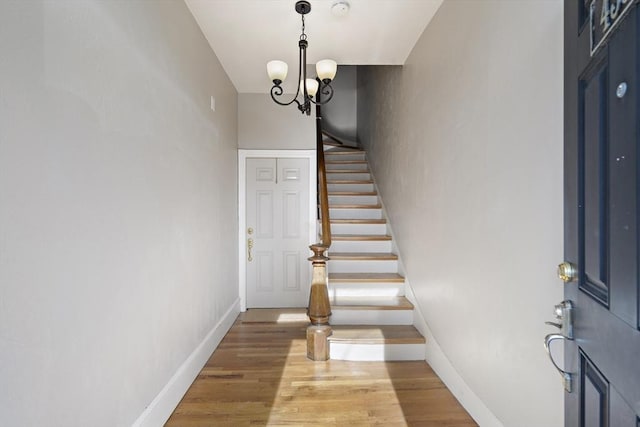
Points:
(260, 376)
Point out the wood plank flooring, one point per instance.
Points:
(260, 376)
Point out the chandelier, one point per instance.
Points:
(316, 91)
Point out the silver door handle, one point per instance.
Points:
(557, 325)
(566, 376)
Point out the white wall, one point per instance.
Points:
(265, 125)
(465, 142)
(118, 210)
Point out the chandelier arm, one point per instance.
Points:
(299, 72)
(327, 91)
(276, 90)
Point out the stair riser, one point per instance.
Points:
(371, 317)
(353, 200)
(377, 352)
(328, 156)
(366, 289)
(360, 175)
(377, 229)
(355, 214)
(350, 187)
(368, 266)
(361, 246)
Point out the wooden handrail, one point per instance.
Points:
(319, 309)
(342, 141)
(323, 196)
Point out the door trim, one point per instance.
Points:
(243, 155)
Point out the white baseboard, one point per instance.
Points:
(441, 365)
(160, 409)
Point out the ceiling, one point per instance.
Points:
(246, 34)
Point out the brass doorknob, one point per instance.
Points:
(249, 247)
(567, 272)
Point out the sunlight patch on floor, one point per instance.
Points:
(293, 317)
(275, 315)
(314, 393)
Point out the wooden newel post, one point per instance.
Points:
(319, 309)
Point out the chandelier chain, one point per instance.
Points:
(303, 36)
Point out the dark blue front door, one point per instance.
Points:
(602, 132)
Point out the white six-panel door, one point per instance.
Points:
(277, 232)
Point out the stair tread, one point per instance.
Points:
(332, 144)
(376, 256)
(353, 206)
(360, 237)
(345, 162)
(347, 171)
(376, 334)
(370, 303)
(358, 221)
(352, 193)
(349, 181)
(365, 277)
(343, 152)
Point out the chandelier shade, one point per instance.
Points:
(277, 70)
(326, 69)
(311, 91)
(312, 87)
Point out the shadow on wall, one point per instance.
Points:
(339, 116)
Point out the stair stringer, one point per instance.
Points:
(434, 355)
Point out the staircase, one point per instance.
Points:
(372, 319)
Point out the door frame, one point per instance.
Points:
(243, 155)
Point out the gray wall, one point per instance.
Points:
(265, 125)
(118, 208)
(465, 142)
(340, 115)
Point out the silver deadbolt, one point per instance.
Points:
(621, 90)
(564, 318)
